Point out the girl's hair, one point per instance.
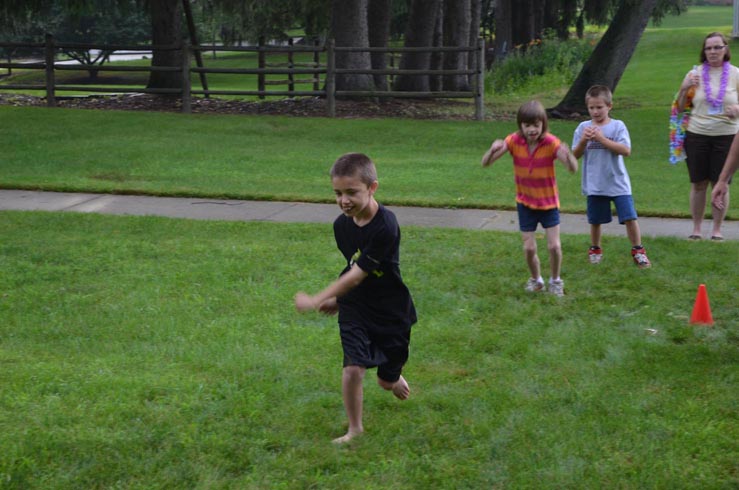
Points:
(727, 52)
(600, 91)
(530, 113)
(355, 164)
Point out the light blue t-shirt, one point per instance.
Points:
(604, 172)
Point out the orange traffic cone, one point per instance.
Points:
(702, 310)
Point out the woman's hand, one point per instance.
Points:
(692, 79)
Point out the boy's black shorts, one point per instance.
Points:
(372, 347)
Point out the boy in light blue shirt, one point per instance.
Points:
(603, 143)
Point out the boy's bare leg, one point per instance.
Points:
(595, 234)
(400, 388)
(529, 250)
(633, 232)
(555, 250)
(352, 392)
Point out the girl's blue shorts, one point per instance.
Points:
(528, 218)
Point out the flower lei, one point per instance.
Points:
(722, 88)
(678, 128)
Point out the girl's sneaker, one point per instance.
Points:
(595, 254)
(557, 287)
(640, 257)
(534, 285)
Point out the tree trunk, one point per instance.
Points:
(378, 25)
(476, 10)
(419, 32)
(349, 28)
(457, 20)
(166, 22)
(524, 22)
(609, 59)
(503, 29)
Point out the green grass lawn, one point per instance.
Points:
(428, 163)
(162, 353)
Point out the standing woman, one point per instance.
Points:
(714, 120)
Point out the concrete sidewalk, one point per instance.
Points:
(234, 210)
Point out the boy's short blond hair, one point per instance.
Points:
(599, 91)
(355, 164)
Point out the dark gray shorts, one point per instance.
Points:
(369, 347)
(706, 156)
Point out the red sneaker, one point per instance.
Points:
(640, 257)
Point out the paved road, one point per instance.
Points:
(234, 210)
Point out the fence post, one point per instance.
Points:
(316, 64)
(186, 88)
(290, 65)
(50, 82)
(261, 65)
(480, 83)
(331, 78)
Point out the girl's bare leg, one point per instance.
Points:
(352, 392)
(529, 250)
(555, 250)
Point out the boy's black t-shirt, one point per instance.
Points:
(382, 299)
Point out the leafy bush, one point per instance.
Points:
(548, 61)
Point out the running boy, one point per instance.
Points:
(603, 143)
(534, 150)
(375, 308)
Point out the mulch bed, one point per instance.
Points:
(301, 106)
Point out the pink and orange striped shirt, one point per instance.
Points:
(536, 185)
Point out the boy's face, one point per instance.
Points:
(532, 131)
(353, 196)
(598, 109)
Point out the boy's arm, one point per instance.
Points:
(345, 283)
(496, 150)
(565, 156)
(580, 142)
(610, 145)
(617, 148)
(579, 148)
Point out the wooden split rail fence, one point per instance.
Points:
(315, 71)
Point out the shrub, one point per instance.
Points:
(548, 61)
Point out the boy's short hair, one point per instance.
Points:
(599, 91)
(355, 164)
(530, 113)
(727, 51)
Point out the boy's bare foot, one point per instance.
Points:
(401, 390)
(347, 437)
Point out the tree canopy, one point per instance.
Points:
(365, 23)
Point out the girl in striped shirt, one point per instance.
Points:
(534, 151)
